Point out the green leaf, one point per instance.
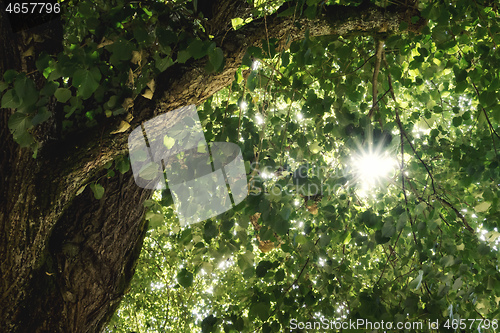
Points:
(420, 208)
(260, 310)
(98, 190)
(388, 229)
(166, 37)
(111, 103)
(245, 261)
(9, 75)
(417, 282)
(86, 82)
(11, 100)
(210, 231)
(3, 86)
(457, 121)
(236, 22)
(447, 261)
(185, 278)
(208, 324)
(280, 275)
(252, 81)
(457, 284)
(62, 94)
(168, 142)
(403, 219)
(262, 268)
(288, 12)
(19, 123)
(25, 89)
(163, 63)
(196, 49)
(156, 220)
(183, 56)
(23, 138)
(43, 61)
(216, 57)
(149, 171)
(49, 88)
(324, 240)
(285, 212)
(310, 12)
(281, 226)
(123, 166)
(274, 194)
(42, 115)
(121, 51)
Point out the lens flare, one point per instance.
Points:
(371, 168)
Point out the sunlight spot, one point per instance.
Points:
(157, 285)
(371, 167)
(266, 175)
(259, 119)
(300, 116)
(255, 65)
(243, 105)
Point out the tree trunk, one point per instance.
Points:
(66, 259)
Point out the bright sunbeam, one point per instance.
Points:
(371, 167)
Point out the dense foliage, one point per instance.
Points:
(317, 237)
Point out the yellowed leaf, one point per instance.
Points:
(29, 52)
(122, 128)
(482, 207)
(148, 94)
(151, 85)
(128, 103)
(38, 38)
(129, 117)
(130, 80)
(136, 57)
(105, 42)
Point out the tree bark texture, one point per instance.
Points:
(67, 259)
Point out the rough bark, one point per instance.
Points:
(66, 260)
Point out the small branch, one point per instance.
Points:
(492, 130)
(354, 71)
(464, 221)
(370, 113)
(301, 271)
(437, 88)
(388, 258)
(378, 53)
(298, 277)
(401, 130)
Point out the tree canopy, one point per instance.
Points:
(370, 133)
